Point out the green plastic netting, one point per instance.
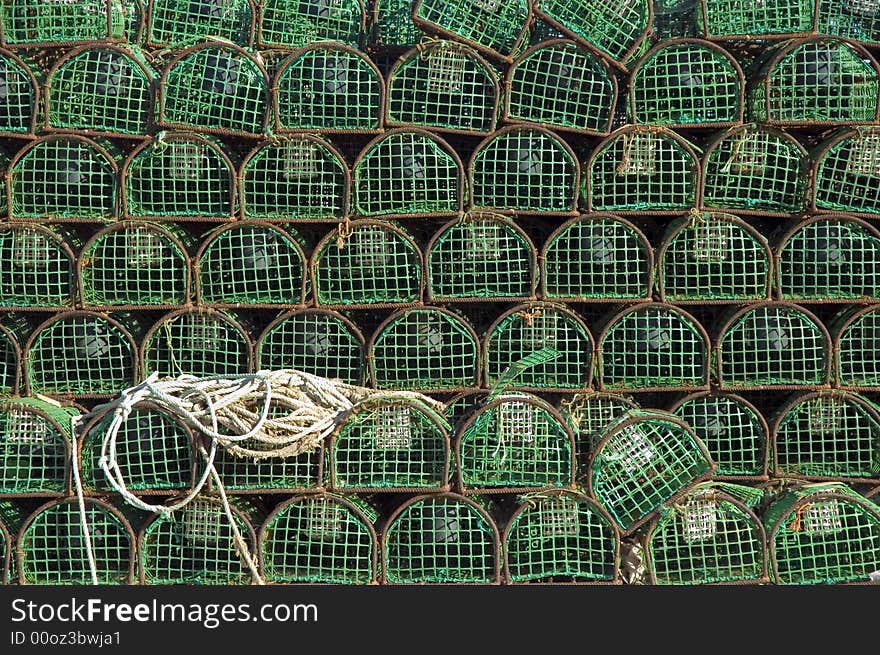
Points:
(392, 26)
(674, 18)
(857, 346)
(734, 19)
(10, 363)
(36, 267)
(5, 552)
(176, 23)
(588, 413)
(32, 23)
(19, 95)
(297, 23)
(240, 475)
(463, 404)
(852, 19)
(847, 172)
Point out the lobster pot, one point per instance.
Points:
(253, 263)
(440, 538)
(770, 19)
(674, 18)
(653, 347)
(443, 86)
(823, 534)
(408, 172)
(390, 445)
(514, 443)
(828, 435)
(525, 169)
(179, 176)
(560, 536)
(246, 475)
(817, 81)
(315, 341)
(320, 538)
(560, 85)
(176, 23)
(464, 404)
(79, 353)
(429, 349)
(134, 264)
(10, 362)
(297, 24)
(857, 348)
(6, 548)
(103, 89)
(367, 263)
(215, 88)
(534, 327)
(36, 267)
(642, 461)
(772, 345)
(19, 96)
(597, 257)
(32, 23)
(52, 549)
(711, 257)
(200, 342)
(642, 169)
(852, 19)
(34, 447)
(481, 256)
(62, 177)
(755, 170)
(847, 172)
(588, 413)
(392, 25)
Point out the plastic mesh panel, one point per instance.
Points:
(296, 23)
(34, 452)
(853, 19)
(181, 22)
(589, 414)
(9, 363)
(493, 25)
(35, 269)
(393, 25)
(858, 351)
(33, 22)
(18, 93)
(848, 173)
(733, 18)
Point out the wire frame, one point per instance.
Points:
(36, 267)
(252, 263)
(847, 172)
(390, 444)
(176, 23)
(392, 26)
(6, 548)
(653, 347)
(215, 88)
(817, 81)
(444, 86)
(479, 257)
(463, 404)
(645, 459)
(524, 169)
(857, 349)
(408, 172)
(364, 263)
(532, 327)
(851, 19)
(772, 344)
(514, 443)
(296, 24)
(105, 89)
(62, 177)
(559, 85)
(52, 549)
(19, 96)
(642, 169)
(10, 363)
(589, 413)
(440, 538)
(80, 354)
(732, 429)
(35, 24)
(772, 19)
(316, 341)
(328, 87)
(755, 170)
(714, 257)
(425, 349)
(321, 538)
(597, 258)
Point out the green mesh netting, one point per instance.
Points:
(242, 475)
(34, 23)
(858, 349)
(19, 95)
(493, 25)
(10, 362)
(852, 19)
(734, 18)
(848, 172)
(5, 551)
(175, 23)
(36, 267)
(674, 18)
(297, 23)
(589, 413)
(392, 24)
(464, 404)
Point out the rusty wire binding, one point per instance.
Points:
(10, 362)
(35, 24)
(732, 20)
(37, 267)
(847, 173)
(173, 24)
(286, 24)
(20, 95)
(856, 334)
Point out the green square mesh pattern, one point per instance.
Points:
(492, 24)
(853, 19)
(375, 264)
(726, 18)
(102, 90)
(849, 173)
(858, 352)
(675, 18)
(53, 548)
(297, 23)
(63, 178)
(68, 21)
(756, 170)
(216, 88)
(253, 264)
(818, 82)
(182, 22)
(9, 364)
(136, 265)
(33, 453)
(715, 258)
(80, 355)
(731, 431)
(524, 332)
(653, 347)
(196, 343)
(244, 474)
(704, 540)
(481, 258)
(524, 170)
(642, 171)
(179, 178)
(18, 97)
(441, 540)
(463, 405)
(315, 343)
(35, 271)
(560, 537)
(318, 539)
(424, 349)
(832, 436)
(5, 576)
(407, 173)
(773, 346)
(596, 259)
(686, 84)
(393, 24)
(515, 444)
(642, 465)
(561, 86)
(444, 87)
(589, 414)
(613, 27)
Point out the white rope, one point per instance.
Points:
(81, 500)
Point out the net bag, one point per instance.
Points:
(847, 172)
(297, 23)
(36, 267)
